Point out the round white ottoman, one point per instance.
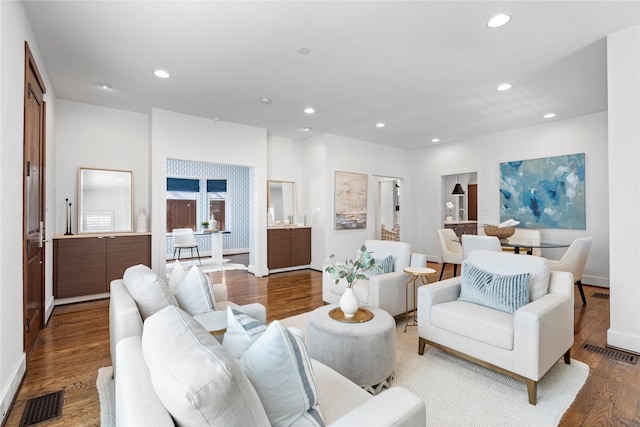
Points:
(363, 352)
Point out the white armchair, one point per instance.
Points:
(523, 345)
(386, 291)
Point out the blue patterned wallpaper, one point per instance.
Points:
(239, 196)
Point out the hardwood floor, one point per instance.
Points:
(75, 344)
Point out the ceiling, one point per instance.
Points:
(426, 69)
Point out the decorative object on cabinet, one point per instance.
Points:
(350, 201)
(560, 182)
(86, 264)
(288, 247)
(68, 207)
(141, 222)
(105, 201)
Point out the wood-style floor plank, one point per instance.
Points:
(75, 344)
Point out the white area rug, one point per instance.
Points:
(461, 393)
(456, 392)
(207, 266)
(107, 394)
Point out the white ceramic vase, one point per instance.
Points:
(141, 222)
(349, 303)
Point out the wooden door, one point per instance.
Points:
(181, 214)
(80, 266)
(300, 246)
(278, 248)
(33, 257)
(472, 202)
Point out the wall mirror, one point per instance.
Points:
(281, 202)
(105, 200)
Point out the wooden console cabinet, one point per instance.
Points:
(86, 264)
(288, 247)
(463, 227)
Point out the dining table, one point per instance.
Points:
(527, 244)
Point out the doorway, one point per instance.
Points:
(33, 254)
(464, 206)
(388, 208)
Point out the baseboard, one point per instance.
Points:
(62, 301)
(623, 341)
(51, 304)
(602, 282)
(13, 387)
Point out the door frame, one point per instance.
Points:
(30, 64)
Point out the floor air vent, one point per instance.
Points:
(600, 295)
(612, 353)
(42, 408)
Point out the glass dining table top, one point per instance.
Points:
(526, 244)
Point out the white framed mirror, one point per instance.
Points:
(281, 202)
(105, 201)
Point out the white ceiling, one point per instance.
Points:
(427, 69)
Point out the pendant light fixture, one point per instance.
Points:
(457, 190)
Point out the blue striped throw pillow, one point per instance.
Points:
(504, 293)
(382, 266)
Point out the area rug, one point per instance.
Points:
(461, 393)
(206, 266)
(107, 393)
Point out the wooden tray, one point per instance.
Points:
(362, 315)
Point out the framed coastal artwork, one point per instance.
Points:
(544, 193)
(350, 201)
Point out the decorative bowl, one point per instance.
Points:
(499, 232)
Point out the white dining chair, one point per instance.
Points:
(573, 261)
(451, 250)
(472, 242)
(183, 238)
(527, 237)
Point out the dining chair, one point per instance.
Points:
(527, 237)
(451, 250)
(472, 242)
(573, 261)
(183, 238)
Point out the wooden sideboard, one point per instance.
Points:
(288, 247)
(463, 227)
(85, 264)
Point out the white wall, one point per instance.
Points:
(184, 137)
(325, 154)
(98, 137)
(586, 134)
(623, 52)
(14, 30)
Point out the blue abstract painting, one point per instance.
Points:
(544, 193)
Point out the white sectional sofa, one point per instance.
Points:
(148, 356)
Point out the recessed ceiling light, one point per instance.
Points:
(549, 115)
(435, 140)
(504, 86)
(309, 110)
(162, 74)
(498, 20)
(105, 86)
(305, 129)
(265, 100)
(304, 51)
(217, 119)
(380, 125)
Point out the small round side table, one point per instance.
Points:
(363, 352)
(415, 272)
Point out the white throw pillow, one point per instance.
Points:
(194, 293)
(279, 368)
(195, 378)
(150, 293)
(177, 275)
(242, 332)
